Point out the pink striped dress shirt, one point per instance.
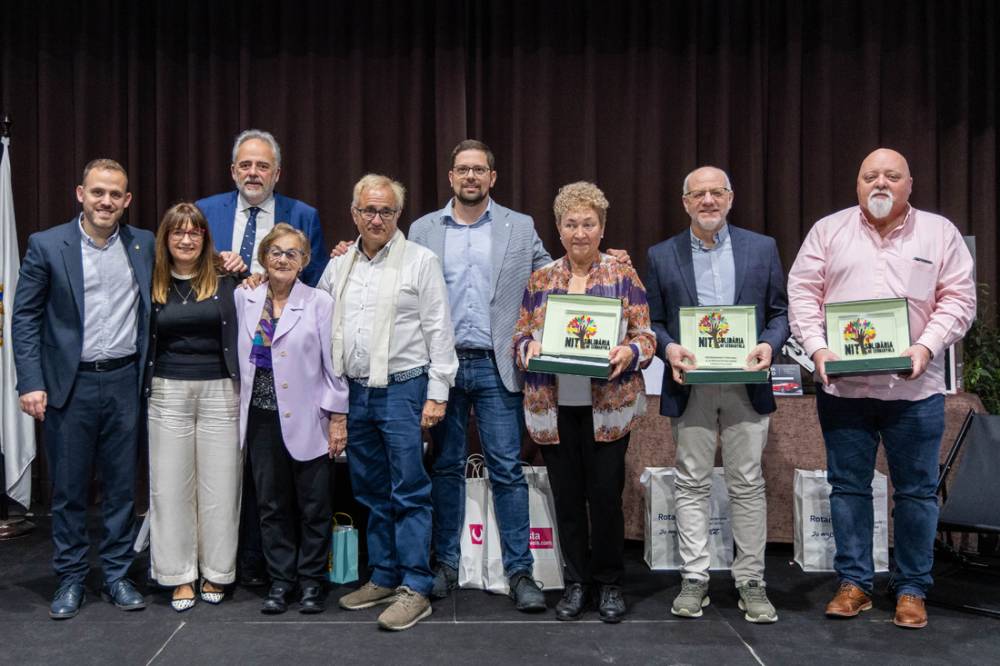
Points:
(924, 259)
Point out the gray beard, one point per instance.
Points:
(880, 207)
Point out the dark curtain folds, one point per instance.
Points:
(787, 96)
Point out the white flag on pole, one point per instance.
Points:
(17, 430)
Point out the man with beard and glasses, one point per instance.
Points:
(884, 248)
(488, 252)
(80, 332)
(239, 221)
(716, 263)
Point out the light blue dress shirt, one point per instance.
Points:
(468, 270)
(714, 269)
(110, 299)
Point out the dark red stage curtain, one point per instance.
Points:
(788, 96)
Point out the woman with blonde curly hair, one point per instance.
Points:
(583, 423)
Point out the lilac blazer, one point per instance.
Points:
(304, 382)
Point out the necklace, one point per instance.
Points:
(184, 299)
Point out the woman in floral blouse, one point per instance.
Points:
(585, 422)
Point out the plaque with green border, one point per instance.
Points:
(868, 337)
(578, 334)
(720, 337)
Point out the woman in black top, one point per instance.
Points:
(195, 462)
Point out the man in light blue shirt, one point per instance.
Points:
(80, 334)
(488, 253)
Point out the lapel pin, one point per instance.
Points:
(137, 246)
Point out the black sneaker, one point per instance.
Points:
(445, 580)
(526, 593)
(612, 604)
(573, 603)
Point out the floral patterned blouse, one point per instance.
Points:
(617, 403)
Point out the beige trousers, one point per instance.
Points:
(195, 476)
(721, 412)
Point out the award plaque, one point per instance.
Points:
(578, 334)
(721, 337)
(869, 337)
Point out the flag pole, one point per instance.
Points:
(10, 528)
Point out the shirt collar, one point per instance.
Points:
(720, 237)
(267, 205)
(378, 255)
(90, 241)
(448, 214)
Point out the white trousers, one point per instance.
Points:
(721, 412)
(195, 477)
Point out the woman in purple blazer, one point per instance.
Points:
(292, 417)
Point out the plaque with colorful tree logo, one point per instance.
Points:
(578, 334)
(720, 337)
(868, 337)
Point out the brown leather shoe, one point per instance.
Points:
(910, 612)
(848, 602)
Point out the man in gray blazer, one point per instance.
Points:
(488, 252)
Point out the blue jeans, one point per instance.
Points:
(385, 459)
(911, 434)
(500, 419)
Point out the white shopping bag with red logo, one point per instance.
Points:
(543, 540)
(662, 550)
(472, 561)
(814, 544)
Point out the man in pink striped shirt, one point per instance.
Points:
(884, 248)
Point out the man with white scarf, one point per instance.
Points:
(392, 337)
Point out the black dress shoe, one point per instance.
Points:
(123, 595)
(573, 602)
(276, 602)
(67, 601)
(612, 604)
(313, 600)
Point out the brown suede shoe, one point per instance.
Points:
(910, 612)
(848, 602)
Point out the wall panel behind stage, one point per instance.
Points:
(787, 96)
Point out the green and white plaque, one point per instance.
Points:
(868, 337)
(578, 334)
(721, 337)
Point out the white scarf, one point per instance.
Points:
(385, 312)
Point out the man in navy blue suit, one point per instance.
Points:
(80, 336)
(240, 219)
(715, 263)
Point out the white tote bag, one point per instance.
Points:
(661, 544)
(472, 561)
(814, 544)
(543, 540)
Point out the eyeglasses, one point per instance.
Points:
(571, 227)
(276, 253)
(463, 171)
(368, 214)
(194, 234)
(715, 193)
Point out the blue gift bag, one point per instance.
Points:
(342, 566)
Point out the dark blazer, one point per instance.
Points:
(760, 281)
(47, 323)
(227, 310)
(220, 211)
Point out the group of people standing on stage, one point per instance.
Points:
(251, 390)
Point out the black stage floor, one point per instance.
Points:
(475, 627)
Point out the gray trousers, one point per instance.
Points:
(721, 412)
